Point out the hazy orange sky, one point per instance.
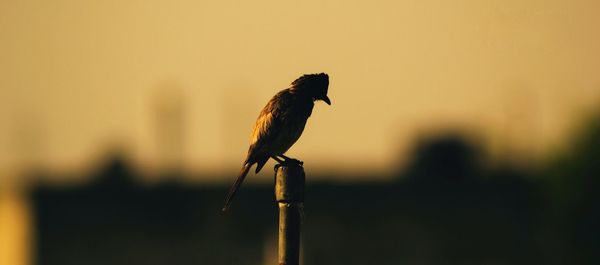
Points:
(77, 77)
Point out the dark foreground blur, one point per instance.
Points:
(447, 207)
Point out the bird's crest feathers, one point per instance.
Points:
(311, 79)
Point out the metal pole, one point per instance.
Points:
(289, 193)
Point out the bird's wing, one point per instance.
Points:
(268, 126)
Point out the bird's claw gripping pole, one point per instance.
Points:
(289, 193)
(288, 162)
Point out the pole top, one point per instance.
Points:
(289, 182)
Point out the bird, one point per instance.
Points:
(280, 124)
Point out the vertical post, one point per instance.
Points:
(289, 193)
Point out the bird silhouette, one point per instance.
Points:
(280, 124)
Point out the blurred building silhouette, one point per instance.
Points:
(169, 126)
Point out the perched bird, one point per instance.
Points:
(280, 124)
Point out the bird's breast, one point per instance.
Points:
(294, 122)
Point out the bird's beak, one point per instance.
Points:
(327, 100)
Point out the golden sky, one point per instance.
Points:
(77, 77)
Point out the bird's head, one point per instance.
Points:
(315, 85)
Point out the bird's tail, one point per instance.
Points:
(236, 185)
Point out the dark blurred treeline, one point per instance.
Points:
(447, 207)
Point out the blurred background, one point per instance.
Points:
(461, 132)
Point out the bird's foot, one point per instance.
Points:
(291, 160)
(294, 161)
(287, 161)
